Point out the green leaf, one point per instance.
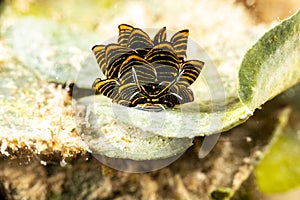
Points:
(181, 122)
(122, 132)
(105, 134)
(279, 169)
(272, 65)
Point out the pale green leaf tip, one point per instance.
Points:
(272, 65)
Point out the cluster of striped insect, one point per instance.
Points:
(147, 74)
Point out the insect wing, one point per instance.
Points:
(191, 71)
(145, 72)
(115, 55)
(138, 39)
(179, 42)
(127, 92)
(99, 51)
(124, 33)
(182, 93)
(165, 61)
(160, 36)
(106, 87)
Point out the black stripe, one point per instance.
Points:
(160, 36)
(138, 100)
(165, 61)
(165, 72)
(106, 87)
(163, 53)
(192, 69)
(138, 39)
(164, 58)
(127, 90)
(99, 51)
(184, 92)
(180, 47)
(123, 39)
(179, 41)
(124, 33)
(145, 72)
(115, 55)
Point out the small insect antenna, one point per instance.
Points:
(133, 95)
(163, 108)
(175, 79)
(172, 83)
(135, 78)
(176, 95)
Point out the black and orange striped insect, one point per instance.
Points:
(149, 74)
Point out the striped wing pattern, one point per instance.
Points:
(160, 36)
(115, 55)
(124, 33)
(138, 39)
(191, 71)
(184, 92)
(145, 72)
(125, 92)
(140, 71)
(105, 87)
(99, 51)
(179, 42)
(165, 61)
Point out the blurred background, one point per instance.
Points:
(225, 29)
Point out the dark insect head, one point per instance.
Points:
(148, 74)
